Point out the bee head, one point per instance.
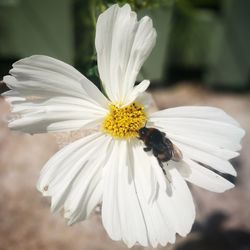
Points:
(142, 132)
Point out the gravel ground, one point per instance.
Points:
(223, 220)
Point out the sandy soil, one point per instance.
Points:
(223, 220)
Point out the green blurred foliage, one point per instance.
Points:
(138, 5)
(193, 27)
(207, 39)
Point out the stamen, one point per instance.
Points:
(124, 122)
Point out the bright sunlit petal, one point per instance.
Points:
(72, 177)
(203, 134)
(122, 44)
(202, 177)
(128, 212)
(44, 76)
(46, 93)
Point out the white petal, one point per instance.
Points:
(87, 190)
(150, 176)
(59, 113)
(202, 177)
(180, 205)
(137, 91)
(74, 125)
(150, 169)
(110, 211)
(146, 100)
(72, 177)
(206, 135)
(165, 216)
(60, 161)
(211, 160)
(199, 112)
(121, 210)
(159, 228)
(128, 214)
(47, 93)
(204, 146)
(217, 133)
(122, 45)
(40, 75)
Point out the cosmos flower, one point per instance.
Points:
(140, 204)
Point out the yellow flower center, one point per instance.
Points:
(124, 122)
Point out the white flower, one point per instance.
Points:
(139, 203)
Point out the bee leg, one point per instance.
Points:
(155, 153)
(162, 167)
(167, 175)
(147, 149)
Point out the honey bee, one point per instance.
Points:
(163, 149)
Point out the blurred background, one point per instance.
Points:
(202, 57)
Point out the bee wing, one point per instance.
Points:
(176, 154)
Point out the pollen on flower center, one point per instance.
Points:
(124, 122)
